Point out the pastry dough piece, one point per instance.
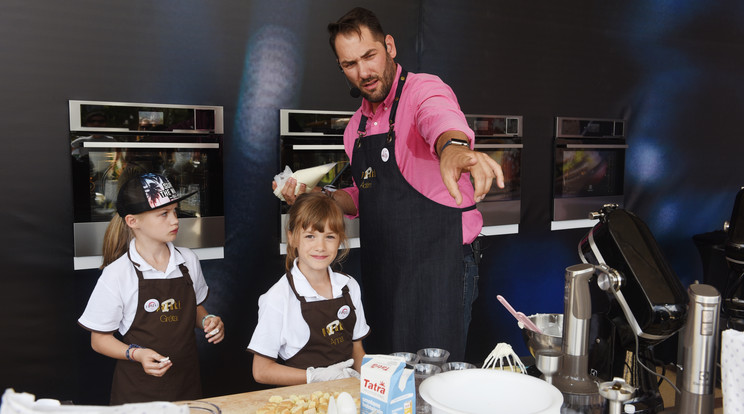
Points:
(315, 403)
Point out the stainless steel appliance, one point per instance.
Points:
(579, 387)
(647, 303)
(500, 137)
(699, 348)
(310, 138)
(110, 141)
(589, 168)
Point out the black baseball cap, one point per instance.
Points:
(146, 192)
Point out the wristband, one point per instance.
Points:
(131, 347)
(454, 141)
(204, 319)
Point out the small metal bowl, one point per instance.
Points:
(410, 357)
(551, 324)
(436, 356)
(456, 366)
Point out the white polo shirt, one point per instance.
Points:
(281, 330)
(113, 303)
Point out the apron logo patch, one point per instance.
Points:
(385, 155)
(368, 173)
(169, 305)
(343, 312)
(152, 305)
(333, 328)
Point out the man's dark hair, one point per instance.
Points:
(352, 22)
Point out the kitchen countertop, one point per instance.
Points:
(249, 402)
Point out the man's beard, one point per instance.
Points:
(386, 83)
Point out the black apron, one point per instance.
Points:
(331, 325)
(171, 334)
(411, 255)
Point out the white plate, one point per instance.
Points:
(476, 391)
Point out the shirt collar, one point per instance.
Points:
(388, 102)
(175, 259)
(338, 281)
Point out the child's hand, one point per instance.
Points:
(214, 329)
(152, 362)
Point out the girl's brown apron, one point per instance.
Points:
(165, 322)
(331, 325)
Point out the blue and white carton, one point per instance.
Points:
(387, 386)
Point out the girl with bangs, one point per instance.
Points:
(311, 322)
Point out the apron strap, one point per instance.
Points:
(292, 285)
(184, 270)
(136, 268)
(394, 109)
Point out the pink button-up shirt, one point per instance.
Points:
(427, 108)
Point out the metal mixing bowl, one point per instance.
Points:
(551, 340)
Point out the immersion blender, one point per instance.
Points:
(580, 390)
(700, 344)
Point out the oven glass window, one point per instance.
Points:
(510, 161)
(589, 172)
(99, 172)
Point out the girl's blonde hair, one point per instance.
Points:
(319, 212)
(115, 240)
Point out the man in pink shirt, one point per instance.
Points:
(411, 160)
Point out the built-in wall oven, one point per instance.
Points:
(500, 137)
(111, 141)
(309, 138)
(588, 169)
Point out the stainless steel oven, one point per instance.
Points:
(309, 138)
(500, 137)
(588, 169)
(111, 141)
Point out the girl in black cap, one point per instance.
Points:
(152, 294)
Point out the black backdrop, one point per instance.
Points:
(672, 69)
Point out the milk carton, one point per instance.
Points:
(387, 386)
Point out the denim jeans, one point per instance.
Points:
(470, 293)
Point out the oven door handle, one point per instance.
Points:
(173, 145)
(316, 147)
(594, 146)
(499, 145)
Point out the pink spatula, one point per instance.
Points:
(519, 315)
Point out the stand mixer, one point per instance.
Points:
(647, 302)
(733, 293)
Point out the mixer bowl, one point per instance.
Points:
(551, 340)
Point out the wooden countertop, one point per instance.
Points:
(249, 402)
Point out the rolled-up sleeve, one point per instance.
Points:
(438, 112)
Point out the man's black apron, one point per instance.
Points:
(171, 334)
(411, 253)
(331, 325)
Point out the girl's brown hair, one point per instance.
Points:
(319, 212)
(115, 240)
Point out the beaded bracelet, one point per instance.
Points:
(131, 346)
(204, 319)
